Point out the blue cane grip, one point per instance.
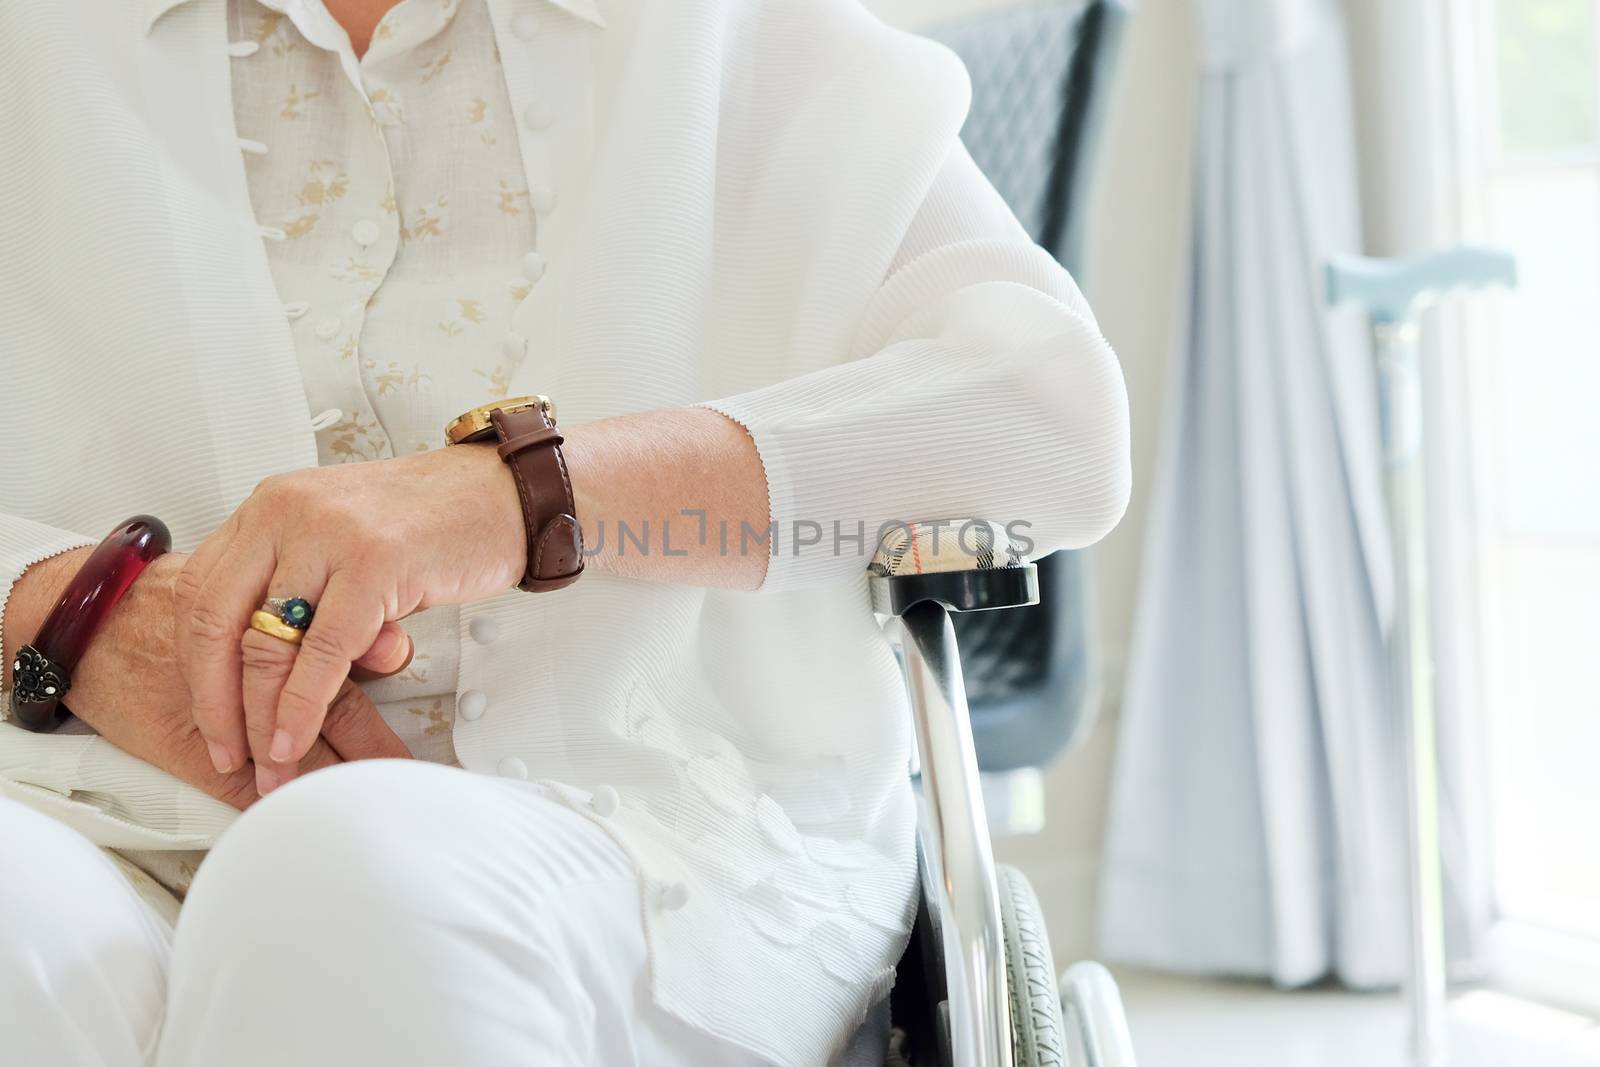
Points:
(1394, 290)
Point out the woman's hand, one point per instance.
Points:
(129, 688)
(367, 544)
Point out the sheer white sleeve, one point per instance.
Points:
(979, 386)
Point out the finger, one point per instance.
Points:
(321, 755)
(390, 654)
(348, 618)
(182, 753)
(185, 757)
(203, 560)
(228, 740)
(197, 568)
(244, 789)
(208, 649)
(355, 730)
(265, 663)
(352, 730)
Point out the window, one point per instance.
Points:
(1529, 180)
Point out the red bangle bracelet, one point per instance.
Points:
(41, 674)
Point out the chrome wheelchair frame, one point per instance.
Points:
(961, 942)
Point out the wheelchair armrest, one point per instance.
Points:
(966, 566)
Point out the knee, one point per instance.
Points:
(374, 884)
(59, 888)
(82, 958)
(312, 880)
(353, 851)
(344, 827)
(34, 849)
(394, 827)
(331, 806)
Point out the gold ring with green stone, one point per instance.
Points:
(285, 618)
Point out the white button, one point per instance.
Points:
(472, 705)
(387, 111)
(605, 801)
(512, 767)
(674, 896)
(243, 49)
(485, 628)
(295, 308)
(533, 266)
(327, 328)
(365, 232)
(543, 199)
(326, 419)
(525, 26)
(254, 148)
(537, 115)
(514, 346)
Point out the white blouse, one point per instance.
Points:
(760, 205)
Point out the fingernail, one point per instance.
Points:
(282, 743)
(386, 645)
(411, 650)
(219, 757)
(266, 781)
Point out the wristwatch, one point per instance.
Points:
(531, 446)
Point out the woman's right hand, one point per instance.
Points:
(129, 687)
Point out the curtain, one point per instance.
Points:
(1257, 816)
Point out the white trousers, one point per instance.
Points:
(382, 913)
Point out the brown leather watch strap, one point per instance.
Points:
(531, 445)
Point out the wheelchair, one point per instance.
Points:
(977, 986)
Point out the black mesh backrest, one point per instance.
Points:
(1039, 82)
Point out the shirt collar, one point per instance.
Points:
(587, 10)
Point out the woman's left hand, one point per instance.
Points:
(366, 544)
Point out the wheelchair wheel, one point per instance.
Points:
(1038, 1036)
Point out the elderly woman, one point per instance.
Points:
(642, 796)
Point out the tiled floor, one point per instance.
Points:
(1180, 1022)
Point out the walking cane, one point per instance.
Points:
(1394, 292)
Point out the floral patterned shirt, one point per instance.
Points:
(399, 228)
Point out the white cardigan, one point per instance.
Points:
(762, 205)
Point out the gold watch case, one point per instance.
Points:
(474, 424)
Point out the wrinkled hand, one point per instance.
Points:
(367, 544)
(129, 688)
